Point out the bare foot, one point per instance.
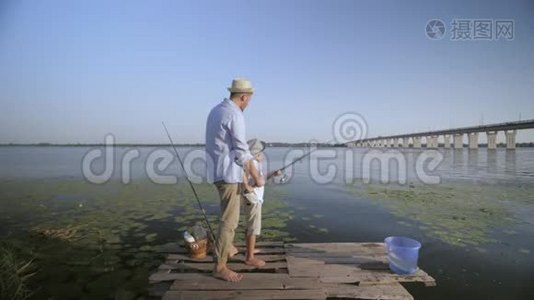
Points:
(226, 274)
(233, 251)
(256, 262)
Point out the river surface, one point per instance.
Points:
(473, 211)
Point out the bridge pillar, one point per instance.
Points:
(393, 143)
(473, 140)
(430, 142)
(434, 140)
(385, 143)
(492, 139)
(510, 139)
(417, 142)
(446, 141)
(405, 142)
(458, 140)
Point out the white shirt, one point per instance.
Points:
(258, 190)
(226, 143)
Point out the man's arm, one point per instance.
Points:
(240, 148)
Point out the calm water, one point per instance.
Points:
(500, 269)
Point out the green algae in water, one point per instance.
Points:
(457, 213)
(101, 232)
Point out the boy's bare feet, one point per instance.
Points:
(256, 262)
(226, 274)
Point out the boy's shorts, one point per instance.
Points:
(253, 216)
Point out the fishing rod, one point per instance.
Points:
(292, 163)
(190, 184)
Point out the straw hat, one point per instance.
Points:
(240, 85)
(255, 146)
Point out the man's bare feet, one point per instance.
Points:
(256, 262)
(233, 251)
(226, 274)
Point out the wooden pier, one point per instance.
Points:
(292, 271)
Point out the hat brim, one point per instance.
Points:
(231, 90)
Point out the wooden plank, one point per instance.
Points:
(333, 273)
(262, 244)
(245, 294)
(208, 267)
(300, 261)
(348, 248)
(181, 250)
(273, 250)
(315, 271)
(393, 291)
(251, 281)
(236, 258)
(159, 276)
(341, 258)
(178, 247)
(366, 277)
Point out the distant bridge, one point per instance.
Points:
(509, 129)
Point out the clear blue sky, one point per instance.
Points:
(72, 71)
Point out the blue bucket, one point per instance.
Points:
(403, 253)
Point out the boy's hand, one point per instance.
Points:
(275, 173)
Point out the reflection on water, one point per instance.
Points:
(510, 162)
(458, 164)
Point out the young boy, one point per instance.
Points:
(252, 202)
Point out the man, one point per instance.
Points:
(228, 156)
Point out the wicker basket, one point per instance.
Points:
(197, 249)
